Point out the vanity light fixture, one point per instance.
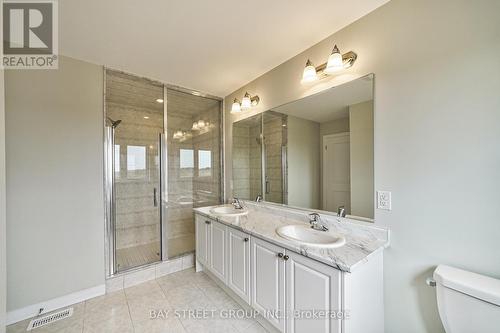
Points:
(309, 74)
(201, 124)
(247, 102)
(336, 62)
(195, 126)
(159, 100)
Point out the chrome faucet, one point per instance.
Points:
(315, 221)
(341, 211)
(237, 203)
(258, 198)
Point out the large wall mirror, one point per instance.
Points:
(315, 153)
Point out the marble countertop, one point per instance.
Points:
(363, 239)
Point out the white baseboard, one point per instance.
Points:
(54, 304)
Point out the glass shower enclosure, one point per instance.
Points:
(162, 159)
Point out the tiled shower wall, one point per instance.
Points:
(247, 160)
(274, 140)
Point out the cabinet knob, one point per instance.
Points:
(286, 257)
(246, 239)
(207, 222)
(280, 255)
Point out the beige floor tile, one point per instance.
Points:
(208, 326)
(115, 325)
(150, 290)
(170, 325)
(254, 328)
(140, 310)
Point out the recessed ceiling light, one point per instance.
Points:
(159, 100)
(146, 117)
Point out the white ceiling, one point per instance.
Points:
(331, 104)
(213, 46)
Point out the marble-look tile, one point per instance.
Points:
(169, 325)
(114, 284)
(129, 310)
(117, 324)
(208, 326)
(142, 309)
(162, 269)
(138, 277)
(188, 261)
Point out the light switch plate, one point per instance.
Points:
(384, 200)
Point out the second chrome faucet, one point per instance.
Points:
(315, 221)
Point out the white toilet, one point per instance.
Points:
(467, 302)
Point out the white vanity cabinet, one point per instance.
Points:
(278, 282)
(238, 263)
(202, 225)
(211, 246)
(311, 285)
(218, 250)
(268, 281)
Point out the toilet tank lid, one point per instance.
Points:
(473, 284)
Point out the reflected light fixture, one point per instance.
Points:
(236, 106)
(246, 103)
(201, 124)
(195, 126)
(336, 62)
(146, 117)
(159, 100)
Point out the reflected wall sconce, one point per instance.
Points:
(336, 62)
(246, 103)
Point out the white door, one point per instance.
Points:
(268, 281)
(218, 250)
(238, 271)
(311, 285)
(202, 239)
(336, 172)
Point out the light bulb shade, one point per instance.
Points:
(309, 74)
(335, 61)
(195, 126)
(201, 124)
(178, 134)
(236, 106)
(246, 102)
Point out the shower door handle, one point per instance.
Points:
(155, 199)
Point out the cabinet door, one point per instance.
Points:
(202, 239)
(217, 256)
(238, 279)
(311, 285)
(268, 281)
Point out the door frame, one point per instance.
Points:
(323, 166)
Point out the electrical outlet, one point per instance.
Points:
(384, 200)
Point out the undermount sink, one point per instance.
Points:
(228, 210)
(306, 235)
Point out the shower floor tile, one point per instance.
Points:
(137, 255)
(136, 309)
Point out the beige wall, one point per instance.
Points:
(437, 133)
(3, 247)
(303, 163)
(361, 146)
(55, 214)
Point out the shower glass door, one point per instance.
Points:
(134, 111)
(194, 165)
